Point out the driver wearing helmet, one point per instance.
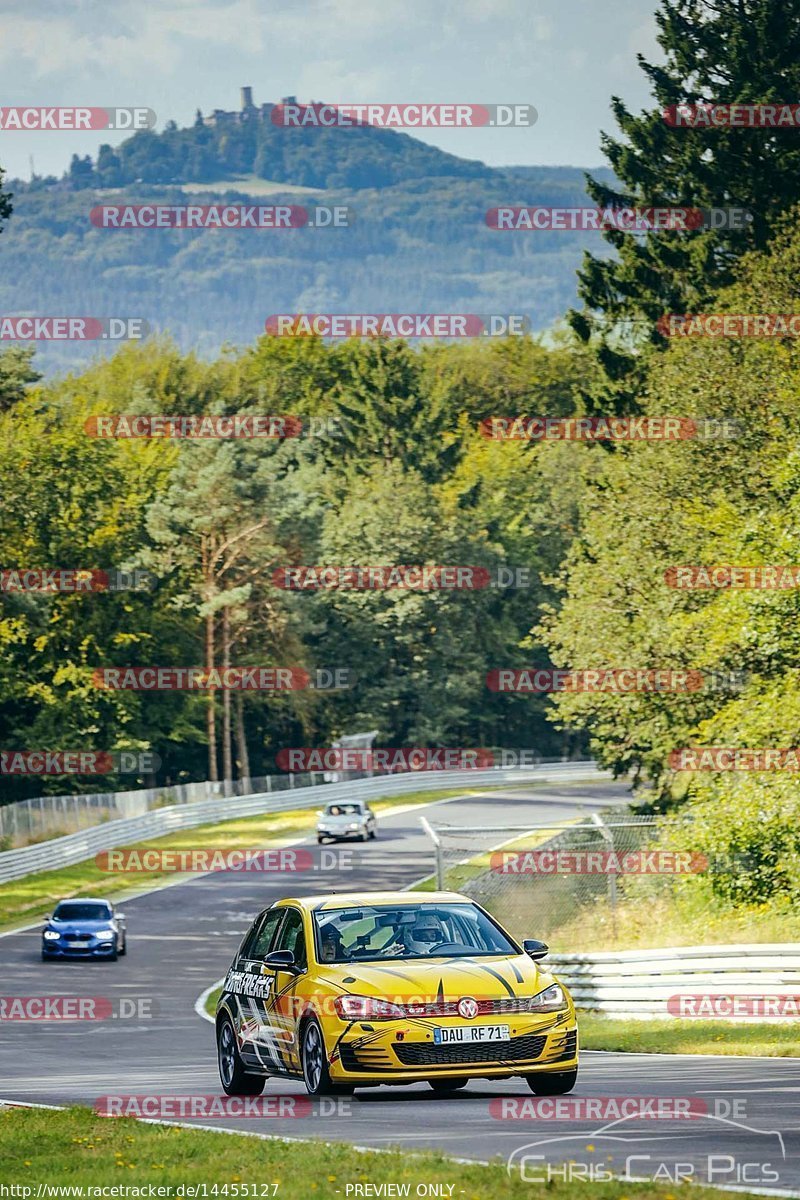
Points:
(424, 933)
(417, 938)
(331, 946)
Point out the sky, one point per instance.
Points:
(565, 57)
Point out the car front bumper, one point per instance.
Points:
(93, 949)
(396, 1051)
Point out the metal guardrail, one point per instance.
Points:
(640, 983)
(75, 847)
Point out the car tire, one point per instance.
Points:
(233, 1077)
(363, 837)
(553, 1084)
(124, 949)
(373, 834)
(442, 1086)
(314, 1063)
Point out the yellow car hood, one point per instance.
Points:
(495, 977)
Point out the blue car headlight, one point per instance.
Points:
(50, 935)
(104, 933)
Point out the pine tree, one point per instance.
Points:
(716, 51)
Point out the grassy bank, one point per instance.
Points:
(29, 898)
(773, 1039)
(76, 1147)
(691, 916)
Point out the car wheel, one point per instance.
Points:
(235, 1080)
(314, 1061)
(555, 1084)
(373, 834)
(362, 837)
(447, 1085)
(124, 949)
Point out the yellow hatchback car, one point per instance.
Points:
(350, 991)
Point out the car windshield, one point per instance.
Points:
(82, 911)
(407, 931)
(343, 810)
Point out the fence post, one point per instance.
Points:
(437, 845)
(608, 838)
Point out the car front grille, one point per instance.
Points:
(486, 1008)
(424, 1054)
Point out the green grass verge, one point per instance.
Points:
(771, 1039)
(211, 1001)
(690, 916)
(29, 898)
(76, 1147)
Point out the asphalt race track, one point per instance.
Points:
(183, 937)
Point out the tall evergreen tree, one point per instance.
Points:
(716, 51)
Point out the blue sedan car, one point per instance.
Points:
(84, 929)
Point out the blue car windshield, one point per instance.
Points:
(81, 911)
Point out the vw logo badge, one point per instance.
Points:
(468, 1007)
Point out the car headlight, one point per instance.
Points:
(550, 1000)
(104, 933)
(361, 1008)
(353, 825)
(50, 935)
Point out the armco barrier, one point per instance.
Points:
(639, 983)
(75, 847)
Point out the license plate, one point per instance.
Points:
(471, 1033)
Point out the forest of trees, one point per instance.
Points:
(405, 476)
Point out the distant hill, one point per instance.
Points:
(419, 242)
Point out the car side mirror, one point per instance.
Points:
(282, 960)
(46, 917)
(535, 950)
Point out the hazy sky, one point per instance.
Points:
(566, 57)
